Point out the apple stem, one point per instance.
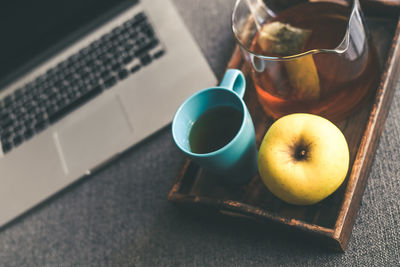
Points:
(301, 154)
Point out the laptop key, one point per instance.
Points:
(145, 59)
(116, 67)
(122, 74)
(5, 114)
(137, 19)
(146, 46)
(28, 133)
(158, 54)
(6, 146)
(127, 59)
(6, 123)
(104, 74)
(110, 81)
(135, 68)
(17, 140)
(8, 100)
(6, 134)
(40, 126)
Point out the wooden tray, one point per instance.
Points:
(330, 221)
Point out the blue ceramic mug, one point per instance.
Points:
(236, 161)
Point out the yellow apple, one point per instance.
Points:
(303, 158)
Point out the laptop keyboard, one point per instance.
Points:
(95, 68)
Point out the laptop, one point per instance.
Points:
(81, 82)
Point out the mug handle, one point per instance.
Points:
(234, 80)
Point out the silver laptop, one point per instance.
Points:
(82, 81)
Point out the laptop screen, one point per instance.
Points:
(29, 28)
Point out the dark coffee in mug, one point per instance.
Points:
(214, 129)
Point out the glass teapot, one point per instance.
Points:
(314, 57)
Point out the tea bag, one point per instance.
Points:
(283, 40)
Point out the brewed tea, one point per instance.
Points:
(327, 84)
(214, 129)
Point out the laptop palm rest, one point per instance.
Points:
(92, 135)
